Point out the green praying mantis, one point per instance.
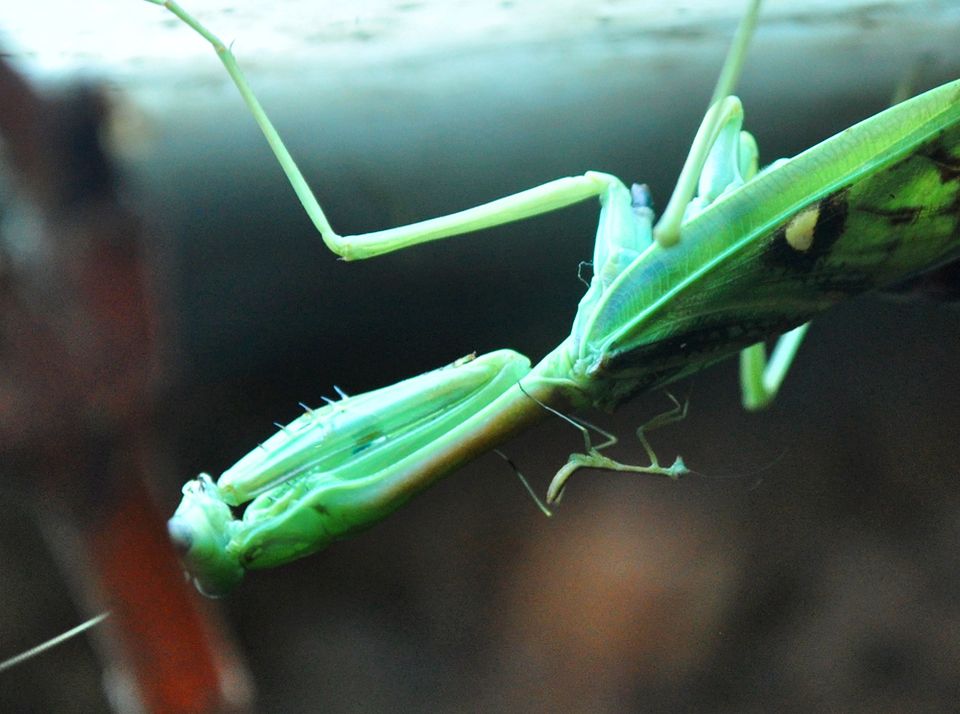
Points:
(738, 255)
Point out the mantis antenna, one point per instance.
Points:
(53, 642)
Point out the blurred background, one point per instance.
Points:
(810, 563)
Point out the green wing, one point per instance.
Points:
(866, 208)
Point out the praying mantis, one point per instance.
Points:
(483, 372)
(739, 254)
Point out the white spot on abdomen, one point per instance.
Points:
(799, 233)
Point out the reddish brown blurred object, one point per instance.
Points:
(78, 354)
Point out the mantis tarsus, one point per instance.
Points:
(738, 256)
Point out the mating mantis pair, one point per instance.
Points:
(739, 254)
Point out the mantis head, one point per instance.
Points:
(201, 529)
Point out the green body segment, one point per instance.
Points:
(871, 206)
(334, 471)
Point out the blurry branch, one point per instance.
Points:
(78, 353)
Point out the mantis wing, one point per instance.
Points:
(864, 209)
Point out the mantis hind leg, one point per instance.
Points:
(591, 458)
(667, 230)
(760, 378)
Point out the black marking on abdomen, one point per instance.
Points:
(709, 337)
(947, 164)
(895, 216)
(830, 226)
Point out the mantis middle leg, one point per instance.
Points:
(525, 204)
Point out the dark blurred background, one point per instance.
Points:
(809, 564)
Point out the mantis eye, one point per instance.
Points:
(200, 530)
(181, 536)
